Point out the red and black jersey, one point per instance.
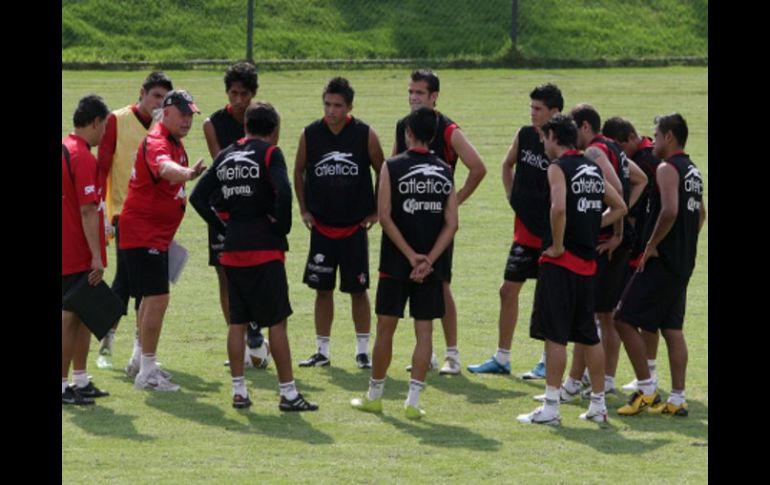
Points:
(420, 184)
(584, 207)
(250, 177)
(79, 186)
(677, 250)
(619, 161)
(226, 128)
(338, 180)
(154, 207)
(640, 212)
(529, 192)
(441, 145)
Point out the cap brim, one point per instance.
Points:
(187, 108)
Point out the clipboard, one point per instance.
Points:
(177, 259)
(97, 306)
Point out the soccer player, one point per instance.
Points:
(449, 144)
(333, 184)
(250, 177)
(223, 128)
(417, 206)
(117, 152)
(151, 214)
(83, 253)
(655, 298)
(527, 193)
(563, 309)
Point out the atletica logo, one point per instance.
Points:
(585, 205)
(438, 184)
(693, 181)
(534, 159)
(411, 206)
(336, 163)
(242, 168)
(587, 180)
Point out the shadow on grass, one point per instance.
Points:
(475, 392)
(607, 439)
(101, 421)
(290, 426)
(443, 435)
(267, 379)
(694, 426)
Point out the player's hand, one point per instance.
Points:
(554, 252)
(421, 271)
(197, 169)
(370, 221)
(307, 219)
(649, 252)
(97, 271)
(610, 245)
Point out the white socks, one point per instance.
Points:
(288, 390)
(647, 386)
(148, 364)
(376, 386)
(323, 345)
(362, 343)
(63, 384)
(137, 350)
(415, 388)
(79, 378)
(551, 404)
(676, 397)
(239, 386)
(502, 356)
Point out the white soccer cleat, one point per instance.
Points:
(539, 416)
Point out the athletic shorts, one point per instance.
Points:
(522, 263)
(654, 299)
(563, 308)
(258, 294)
(147, 271)
(120, 284)
(610, 279)
(67, 282)
(426, 300)
(350, 254)
(215, 247)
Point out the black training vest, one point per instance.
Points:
(619, 161)
(420, 184)
(585, 194)
(227, 129)
(338, 179)
(529, 193)
(677, 250)
(438, 145)
(649, 165)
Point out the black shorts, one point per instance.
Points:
(563, 308)
(426, 300)
(258, 294)
(147, 271)
(67, 282)
(216, 245)
(120, 284)
(350, 254)
(522, 263)
(654, 299)
(610, 279)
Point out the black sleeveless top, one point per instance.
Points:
(440, 145)
(529, 193)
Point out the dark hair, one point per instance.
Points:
(563, 128)
(341, 86)
(422, 123)
(89, 108)
(586, 112)
(261, 118)
(674, 123)
(242, 72)
(157, 78)
(619, 129)
(550, 95)
(429, 77)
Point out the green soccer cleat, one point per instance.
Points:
(413, 412)
(364, 404)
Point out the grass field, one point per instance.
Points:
(470, 434)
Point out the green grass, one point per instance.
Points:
(177, 30)
(470, 434)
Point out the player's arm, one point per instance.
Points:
(175, 173)
(702, 214)
(300, 162)
(279, 178)
(388, 226)
(558, 213)
(106, 150)
(597, 156)
(508, 163)
(211, 138)
(377, 157)
(201, 195)
(638, 181)
(451, 224)
(668, 184)
(472, 160)
(616, 208)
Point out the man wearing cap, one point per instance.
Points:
(151, 214)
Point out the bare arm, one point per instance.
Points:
(508, 163)
(175, 173)
(598, 156)
(616, 208)
(300, 162)
(702, 214)
(638, 181)
(89, 217)
(558, 214)
(668, 183)
(211, 138)
(377, 158)
(472, 160)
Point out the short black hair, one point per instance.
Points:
(429, 77)
(157, 78)
(422, 123)
(586, 112)
(341, 86)
(676, 124)
(243, 72)
(550, 95)
(563, 128)
(89, 108)
(619, 129)
(261, 118)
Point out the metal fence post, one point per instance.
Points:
(514, 16)
(250, 31)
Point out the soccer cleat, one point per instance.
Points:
(241, 402)
(670, 409)
(490, 366)
(451, 366)
(364, 404)
(254, 337)
(155, 381)
(413, 412)
(433, 364)
(564, 396)
(91, 391)
(639, 402)
(297, 404)
(316, 360)
(104, 360)
(71, 396)
(595, 415)
(633, 386)
(132, 370)
(539, 416)
(362, 361)
(537, 372)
